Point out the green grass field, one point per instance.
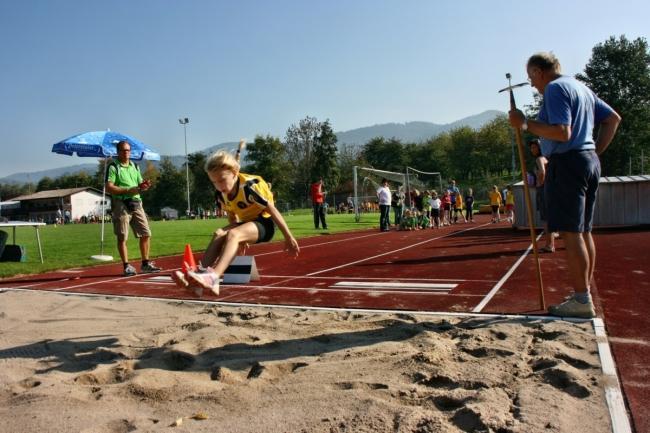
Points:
(72, 245)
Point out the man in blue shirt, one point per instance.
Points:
(569, 113)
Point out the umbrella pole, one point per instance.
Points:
(101, 256)
(101, 248)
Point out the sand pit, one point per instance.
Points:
(91, 364)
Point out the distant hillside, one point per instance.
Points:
(91, 168)
(36, 176)
(406, 132)
(413, 131)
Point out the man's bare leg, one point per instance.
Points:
(578, 258)
(591, 250)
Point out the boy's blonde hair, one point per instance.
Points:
(221, 160)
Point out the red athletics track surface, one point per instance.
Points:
(479, 267)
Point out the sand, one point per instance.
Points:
(97, 364)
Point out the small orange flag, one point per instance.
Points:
(188, 260)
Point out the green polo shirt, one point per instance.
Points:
(128, 176)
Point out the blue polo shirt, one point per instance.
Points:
(567, 101)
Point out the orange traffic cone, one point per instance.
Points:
(188, 260)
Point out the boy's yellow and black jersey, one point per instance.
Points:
(253, 197)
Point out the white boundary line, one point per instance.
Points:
(613, 393)
(503, 279)
(307, 308)
(343, 289)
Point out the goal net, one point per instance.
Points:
(422, 181)
(366, 182)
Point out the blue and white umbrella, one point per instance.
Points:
(103, 144)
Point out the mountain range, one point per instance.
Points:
(407, 132)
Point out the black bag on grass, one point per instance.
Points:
(3, 240)
(14, 253)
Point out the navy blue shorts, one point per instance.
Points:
(570, 190)
(540, 200)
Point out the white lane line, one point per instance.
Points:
(377, 285)
(336, 290)
(503, 279)
(71, 271)
(90, 284)
(323, 243)
(345, 286)
(613, 393)
(349, 277)
(158, 278)
(397, 250)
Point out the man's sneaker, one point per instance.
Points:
(573, 308)
(149, 268)
(130, 271)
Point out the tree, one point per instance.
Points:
(494, 151)
(300, 141)
(169, 190)
(432, 155)
(385, 154)
(267, 157)
(619, 73)
(45, 184)
(325, 157)
(201, 188)
(464, 143)
(348, 157)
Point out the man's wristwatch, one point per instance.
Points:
(524, 126)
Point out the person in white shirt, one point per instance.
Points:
(435, 203)
(383, 194)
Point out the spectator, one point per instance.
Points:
(495, 203)
(317, 200)
(383, 194)
(124, 182)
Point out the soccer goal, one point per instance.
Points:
(422, 181)
(366, 182)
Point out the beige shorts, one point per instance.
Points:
(122, 218)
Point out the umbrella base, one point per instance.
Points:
(102, 258)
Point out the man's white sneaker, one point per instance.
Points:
(573, 308)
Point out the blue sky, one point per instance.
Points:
(241, 68)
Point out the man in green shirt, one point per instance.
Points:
(124, 182)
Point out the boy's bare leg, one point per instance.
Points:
(213, 251)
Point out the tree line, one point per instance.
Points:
(618, 71)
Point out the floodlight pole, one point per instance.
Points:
(184, 121)
(357, 216)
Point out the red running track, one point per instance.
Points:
(479, 267)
